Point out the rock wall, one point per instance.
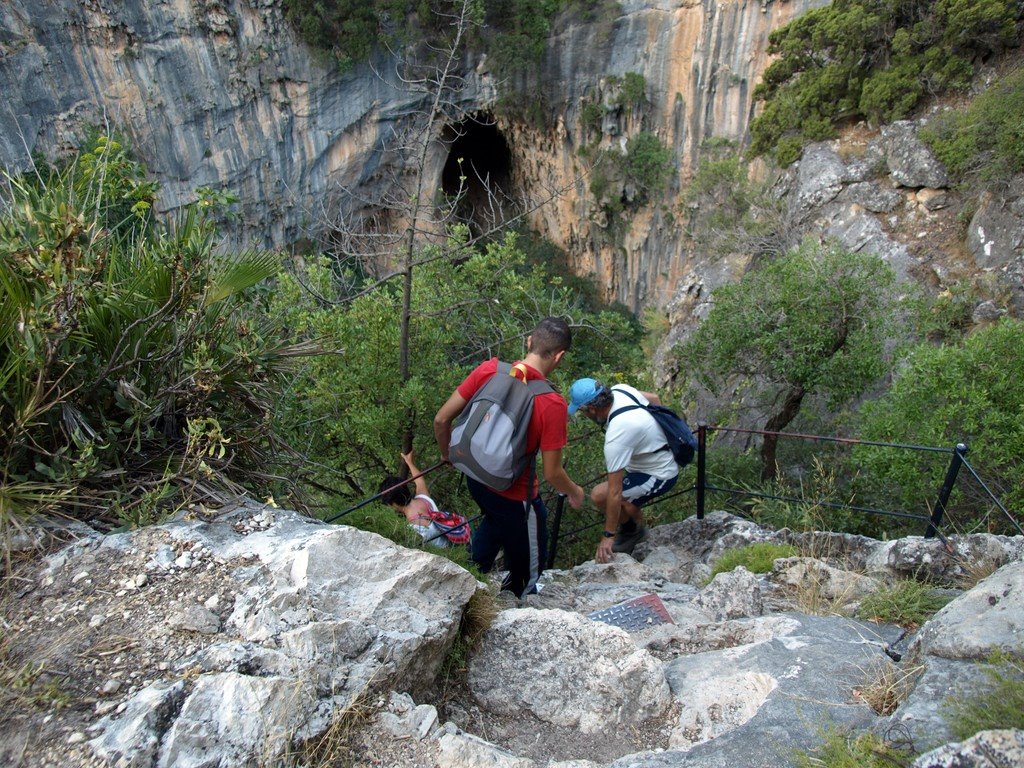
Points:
(220, 93)
(700, 61)
(212, 93)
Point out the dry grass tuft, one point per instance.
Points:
(338, 746)
(888, 685)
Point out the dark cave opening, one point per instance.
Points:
(479, 166)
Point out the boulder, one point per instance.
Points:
(735, 594)
(988, 749)
(820, 177)
(567, 670)
(996, 233)
(767, 688)
(911, 163)
(320, 613)
(463, 750)
(828, 583)
(987, 618)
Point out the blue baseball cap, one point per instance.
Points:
(582, 392)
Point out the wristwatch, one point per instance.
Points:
(609, 534)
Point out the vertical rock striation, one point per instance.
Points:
(220, 93)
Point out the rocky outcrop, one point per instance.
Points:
(221, 94)
(242, 638)
(989, 749)
(230, 641)
(522, 656)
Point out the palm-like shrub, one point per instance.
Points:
(135, 367)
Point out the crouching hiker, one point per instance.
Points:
(640, 464)
(421, 511)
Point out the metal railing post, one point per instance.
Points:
(702, 436)
(947, 488)
(555, 528)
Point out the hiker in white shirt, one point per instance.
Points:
(639, 464)
(416, 509)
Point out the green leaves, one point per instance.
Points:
(349, 410)
(986, 141)
(811, 319)
(118, 334)
(870, 58)
(971, 392)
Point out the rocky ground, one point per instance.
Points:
(133, 650)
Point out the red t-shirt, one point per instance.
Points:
(549, 422)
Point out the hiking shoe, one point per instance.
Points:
(625, 542)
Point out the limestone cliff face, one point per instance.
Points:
(220, 93)
(213, 93)
(700, 60)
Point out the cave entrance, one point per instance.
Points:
(479, 165)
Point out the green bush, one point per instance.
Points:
(870, 58)
(645, 166)
(999, 706)
(591, 115)
(756, 558)
(907, 603)
(514, 34)
(134, 360)
(967, 392)
(841, 749)
(986, 140)
(633, 90)
(648, 163)
(349, 410)
(764, 338)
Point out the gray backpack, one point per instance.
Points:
(488, 441)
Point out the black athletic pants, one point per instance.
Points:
(517, 527)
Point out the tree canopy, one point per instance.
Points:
(871, 58)
(810, 323)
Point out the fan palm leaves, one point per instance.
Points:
(131, 351)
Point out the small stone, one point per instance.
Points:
(183, 561)
(212, 602)
(141, 580)
(110, 687)
(79, 576)
(96, 620)
(76, 738)
(105, 707)
(164, 557)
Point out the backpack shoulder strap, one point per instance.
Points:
(631, 397)
(539, 386)
(536, 386)
(625, 408)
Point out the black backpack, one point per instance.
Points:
(678, 437)
(488, 441)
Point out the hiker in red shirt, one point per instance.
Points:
(514, 519)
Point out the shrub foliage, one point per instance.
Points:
(809, 324)
(985, 141)
(131, 363)
(873, 59)
(969, 392)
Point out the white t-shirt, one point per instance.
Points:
(634, 441)
(431, 534)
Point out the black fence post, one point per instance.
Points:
(702, 436)
(555, 529)
(947, 488)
